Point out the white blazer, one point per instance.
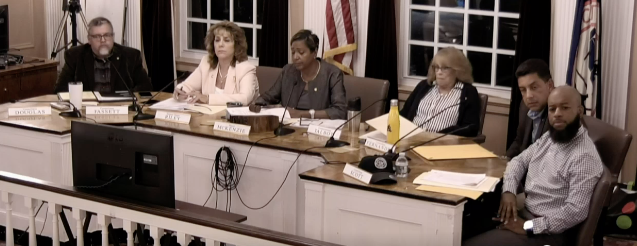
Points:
(241, 83)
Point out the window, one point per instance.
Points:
(198, 15)
(485, 30)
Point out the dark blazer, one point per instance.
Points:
(469, 110)
(79, 66)
(525, 128)
(327, 91)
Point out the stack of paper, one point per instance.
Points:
(172, 104)
(463, 184)
(304, 123)
(118, 96)
(453, 152)
(86, 96)
(380, 124)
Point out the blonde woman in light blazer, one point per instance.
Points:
(224, 75)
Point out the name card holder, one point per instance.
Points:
(323, 131)
(173, 117)
(30, 111)
(105, 110)
(378, 145)
(357, 173)
(232, 128)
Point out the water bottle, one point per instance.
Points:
(393, 123)
(402, 166)
(353, 108)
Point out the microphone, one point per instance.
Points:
(162, 90)
(140, 115)
(332, 143)
(439, 137)
(282, 131)
(75, 113)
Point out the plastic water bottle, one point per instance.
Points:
(402, 166)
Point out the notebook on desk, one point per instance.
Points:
(117, 96)
(86, 96)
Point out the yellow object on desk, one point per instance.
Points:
(452, 191)
(453, 152)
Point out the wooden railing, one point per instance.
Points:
(159, 219)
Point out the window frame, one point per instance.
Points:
(405, 42)
(185, 52)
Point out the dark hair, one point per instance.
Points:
(536, 66)
(98, 21)
(238, 36)
(311, 40)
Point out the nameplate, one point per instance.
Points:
(232, 128)
(377, 145)
(30, 111)
(103, 110)
(173, 117)
(323, 131)
(357, 173)
(110, 118)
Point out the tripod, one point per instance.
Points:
(71, 10)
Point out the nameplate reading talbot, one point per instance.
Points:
(323, 131)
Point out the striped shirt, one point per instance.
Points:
(560, 179)
(433, 103)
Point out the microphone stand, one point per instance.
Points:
(333, 143)
(282, 131)
(140, 115)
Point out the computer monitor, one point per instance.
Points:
(141, 161)
(4, 29)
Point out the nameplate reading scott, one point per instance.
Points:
(232, 128)
(377, 145)
(173, 117)
(30, 111)
(102, 110)
(357, 173)
(323, 131)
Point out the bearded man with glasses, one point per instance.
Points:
(97, 63)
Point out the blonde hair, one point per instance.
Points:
(455, 59)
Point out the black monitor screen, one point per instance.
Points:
(132, 164)
(4, 28)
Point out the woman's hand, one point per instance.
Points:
(179, 94)
(195, 96)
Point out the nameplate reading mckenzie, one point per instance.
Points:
(357, 173)
(173, 117)
(30, 111)
(323, 131)
(377, 145)
(232, 128)
(102, 110)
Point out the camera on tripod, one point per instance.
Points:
(70, 9)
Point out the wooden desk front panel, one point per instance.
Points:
(27, 80)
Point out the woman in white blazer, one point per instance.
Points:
(224, 75)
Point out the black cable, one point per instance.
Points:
(282, 183)
(46, 215)
(25, 230)
(105, 184)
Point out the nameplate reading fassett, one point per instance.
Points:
(30, 111)
(103, 110)
(357, 173)
(173, 117)
(323, 131)
(377, 145)
(232, 128)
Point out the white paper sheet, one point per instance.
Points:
(244, 111)
(380, 124)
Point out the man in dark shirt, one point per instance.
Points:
(536, 83)
(99, 64)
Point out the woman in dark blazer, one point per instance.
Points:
(446, 101)
(311, 87)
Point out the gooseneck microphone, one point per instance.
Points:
(282, 131)
(439, 137)
(332, 143)
(140, 115)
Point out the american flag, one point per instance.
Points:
(340, 34)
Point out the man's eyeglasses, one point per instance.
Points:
(106, 36)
